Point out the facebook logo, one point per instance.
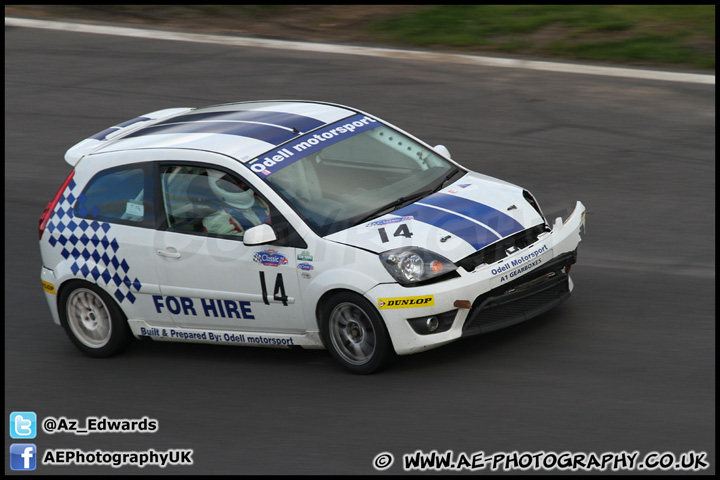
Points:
(23, 456)
(23, 425)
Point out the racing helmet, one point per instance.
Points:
(230, 190)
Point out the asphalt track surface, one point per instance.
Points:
(627, 364)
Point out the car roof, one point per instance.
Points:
(241, 130)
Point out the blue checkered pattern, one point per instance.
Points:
(91, 246)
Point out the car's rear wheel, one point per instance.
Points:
(355, 334)
(92, 320)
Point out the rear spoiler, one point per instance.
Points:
(78, 151)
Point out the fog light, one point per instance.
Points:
(433, 324)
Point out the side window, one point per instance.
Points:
(118, 195)
(201, 199)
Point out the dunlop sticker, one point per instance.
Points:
(406, 302)
(48, 287)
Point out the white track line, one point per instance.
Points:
(366, 51)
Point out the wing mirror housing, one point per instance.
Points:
(259, 235)
(442, 150)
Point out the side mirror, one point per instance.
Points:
(259, 235)
(442, 150)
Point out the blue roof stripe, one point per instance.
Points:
(282, 119)
(473, 233)
(103, 135)
(127, 123)
(500, 222)
(266, 133)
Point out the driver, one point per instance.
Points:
(241, 207)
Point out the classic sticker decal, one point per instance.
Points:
(270, 258)
(406, 302)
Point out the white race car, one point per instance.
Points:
(288, 223)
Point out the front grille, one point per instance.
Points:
(498, 250)
(519, 301)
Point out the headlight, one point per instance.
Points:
(415, 264)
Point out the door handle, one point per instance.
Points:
(169, 254)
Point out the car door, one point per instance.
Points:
(208, 277)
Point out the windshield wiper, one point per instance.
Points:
(407, 199)
(447, 177)
(393, 206)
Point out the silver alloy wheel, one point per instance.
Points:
(89, 318)
(352, 333)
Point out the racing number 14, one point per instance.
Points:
(402, 231)
(279, 294)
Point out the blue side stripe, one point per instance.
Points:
(266, 133)
(287, 120)
(473, 233)
(500, 222)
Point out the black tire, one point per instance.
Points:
(355, 334)
(92, 320)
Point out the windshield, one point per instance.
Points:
(350, 172)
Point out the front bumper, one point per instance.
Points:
(529, 296)
(516, 288)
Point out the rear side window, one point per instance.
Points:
(118, 195)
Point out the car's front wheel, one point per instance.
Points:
(92, 320)
(355, 335)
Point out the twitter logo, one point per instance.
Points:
(23, 425)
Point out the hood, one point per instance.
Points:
(455, 222)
